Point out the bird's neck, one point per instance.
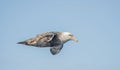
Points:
(64, 39)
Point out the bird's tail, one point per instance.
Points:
(30, 42)
(23, 42)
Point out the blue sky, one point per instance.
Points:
(96, 23)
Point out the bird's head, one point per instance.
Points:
(66, 36)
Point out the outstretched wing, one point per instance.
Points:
(44, 39)
(48, 36)
(56, 49)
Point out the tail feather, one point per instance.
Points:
(30, 42)
(23, 42)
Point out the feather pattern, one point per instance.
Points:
(54, 40)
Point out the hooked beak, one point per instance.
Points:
(74, 39)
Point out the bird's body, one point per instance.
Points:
(55, 40)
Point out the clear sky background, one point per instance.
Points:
(96, 23)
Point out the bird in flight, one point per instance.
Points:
(54, 40)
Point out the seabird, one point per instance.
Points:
(54, 40)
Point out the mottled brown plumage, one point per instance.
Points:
(55, 40)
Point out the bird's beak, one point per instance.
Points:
(74, 39)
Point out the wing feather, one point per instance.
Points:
(56, 49)
(44, 39)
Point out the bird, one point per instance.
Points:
(54, 40)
